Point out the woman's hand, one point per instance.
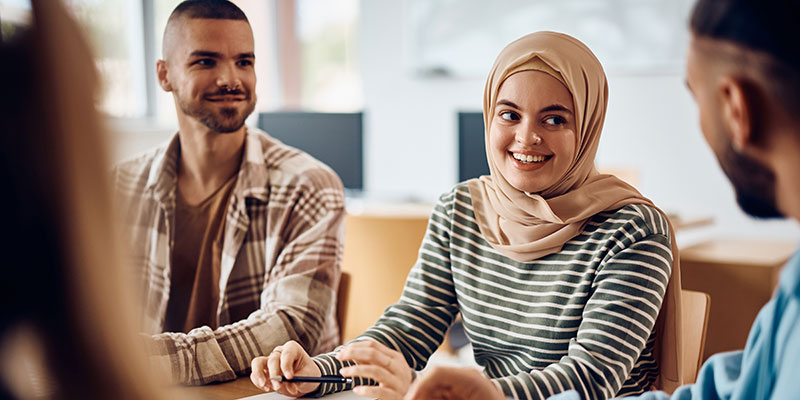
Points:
(288, 361)
(379, 363)
(446, 383)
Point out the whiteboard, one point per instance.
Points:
(461, 38)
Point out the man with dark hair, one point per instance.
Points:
(743, 69)
(237, 238)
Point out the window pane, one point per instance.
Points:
(328, 33)
(15, 16)
(114, 28)
(164, 107)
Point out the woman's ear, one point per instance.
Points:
(161, 74)
(737, 112)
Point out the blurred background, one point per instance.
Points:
(411, 72)
(389, 92)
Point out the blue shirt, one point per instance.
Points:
(769, 366)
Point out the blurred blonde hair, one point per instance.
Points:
(64, 280)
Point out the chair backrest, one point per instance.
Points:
(696, 306)
(342, 299)
(379, 251)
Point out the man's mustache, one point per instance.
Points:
(230, 92)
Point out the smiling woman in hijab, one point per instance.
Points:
(559, 272)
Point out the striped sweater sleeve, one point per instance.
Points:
(415, 325)
(616, 323)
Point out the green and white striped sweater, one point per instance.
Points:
(580, 319)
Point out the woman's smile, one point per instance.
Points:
(528, 161)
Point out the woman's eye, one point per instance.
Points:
(555, 120)
(509, 116)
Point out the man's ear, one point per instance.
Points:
(737, 112)
(161, 74)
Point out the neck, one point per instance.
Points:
(207, 160)
(786, 165)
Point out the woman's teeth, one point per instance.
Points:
(527, 158)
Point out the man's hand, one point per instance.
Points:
(288, 360)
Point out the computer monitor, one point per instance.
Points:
(334, 138)
(471, 149)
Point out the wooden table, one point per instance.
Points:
(237, 389)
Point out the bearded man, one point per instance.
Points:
(236, 238)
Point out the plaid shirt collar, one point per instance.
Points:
(251, 182)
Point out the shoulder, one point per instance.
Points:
(635, 227)
(133, 174)
(140, 164)
(294, 179)
(453, 212)
(635, 219)
(289, 166)
(457, 200)
(790, 276)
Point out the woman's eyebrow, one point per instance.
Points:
(507, 103)
(556, 107)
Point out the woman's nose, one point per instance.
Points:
(526, 136)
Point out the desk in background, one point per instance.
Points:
(380, 247)
(740, 276)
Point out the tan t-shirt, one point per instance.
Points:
(196, 257)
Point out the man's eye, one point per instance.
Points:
(509, 116)
(555, 120)
(245, 63)
(205, 62)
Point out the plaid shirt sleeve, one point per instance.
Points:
(295, 304)
(282, 280)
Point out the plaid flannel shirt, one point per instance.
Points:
(280, 264)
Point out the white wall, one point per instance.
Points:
(411, 133)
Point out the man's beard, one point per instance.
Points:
(753, 182)
(227, 120)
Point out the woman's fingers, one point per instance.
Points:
(381, 364)
(379, 374)
(368, 352)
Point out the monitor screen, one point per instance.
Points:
(471, 149)
(333, 138)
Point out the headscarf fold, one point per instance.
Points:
(527, 226)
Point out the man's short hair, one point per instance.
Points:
(199, 9)
(767, 27)
(208, 9)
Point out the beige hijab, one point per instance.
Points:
(527, 226)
